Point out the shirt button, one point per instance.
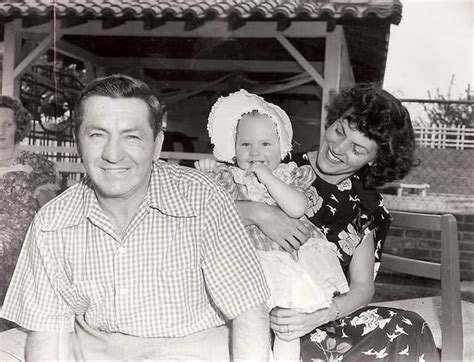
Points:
(123, 291)
(122, 250)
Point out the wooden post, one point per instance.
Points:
(332, 69)
(11, 55)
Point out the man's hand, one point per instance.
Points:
(205, 164)
(289, 324)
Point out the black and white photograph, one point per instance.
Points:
(237, 180)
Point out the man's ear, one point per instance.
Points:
(76, 142)
(158, 145)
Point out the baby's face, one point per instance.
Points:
(257, 141)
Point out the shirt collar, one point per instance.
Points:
(70, 208)
(79, 202)
(165, 192)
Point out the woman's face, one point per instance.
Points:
(7, 128)
(344, 151)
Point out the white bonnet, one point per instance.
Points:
(226, 113)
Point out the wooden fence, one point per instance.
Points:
(442, 136)
(70, 167)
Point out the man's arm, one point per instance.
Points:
(48, 346)
(250, 335)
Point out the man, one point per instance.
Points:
(141, 260)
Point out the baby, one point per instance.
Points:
(254, 136)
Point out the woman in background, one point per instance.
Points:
(27, 181)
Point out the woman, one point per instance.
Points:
(368, 141)
(27, 181)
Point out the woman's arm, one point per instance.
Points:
(289, 233)
(361, 278)
(361, 271)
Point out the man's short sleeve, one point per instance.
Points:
(33, 300)
(234, 277)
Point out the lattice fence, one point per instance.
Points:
(443, 179)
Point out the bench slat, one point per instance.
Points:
(447, 271)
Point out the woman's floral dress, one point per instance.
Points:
(20, 183)
(348, 213)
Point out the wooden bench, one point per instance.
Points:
(400, 186)
(443, 314)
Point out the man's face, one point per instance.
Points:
(117, 146)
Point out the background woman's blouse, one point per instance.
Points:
(20, 184)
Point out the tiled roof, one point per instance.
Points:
(204, 9)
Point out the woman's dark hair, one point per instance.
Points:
(120, 86)
(21, 116)
(382, 118)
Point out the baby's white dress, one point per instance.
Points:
(307, 279)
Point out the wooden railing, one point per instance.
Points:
(73, 171)
(442, 136)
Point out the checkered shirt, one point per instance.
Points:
(184, 264)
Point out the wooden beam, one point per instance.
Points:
(332, 69)
(71, 50)
(71, 21)
(44, 28)
(31, 21)
(258, 66)
(90, 71)
(176, 29)
(11, 54)
(111, 22)
(42, 47)
(301, 60)
(50, 83)
(347, 75)
(150, 22)
(307, 89)
(191, 23)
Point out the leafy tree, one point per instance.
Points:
(449, 112)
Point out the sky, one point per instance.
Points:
(433, 41)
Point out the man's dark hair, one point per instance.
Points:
(120, 86)
(382, 118)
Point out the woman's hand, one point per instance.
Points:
(287, 232)
(289, 324)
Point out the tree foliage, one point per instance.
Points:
(448, 112)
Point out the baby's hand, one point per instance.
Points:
(205, 164)
(262, 172)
